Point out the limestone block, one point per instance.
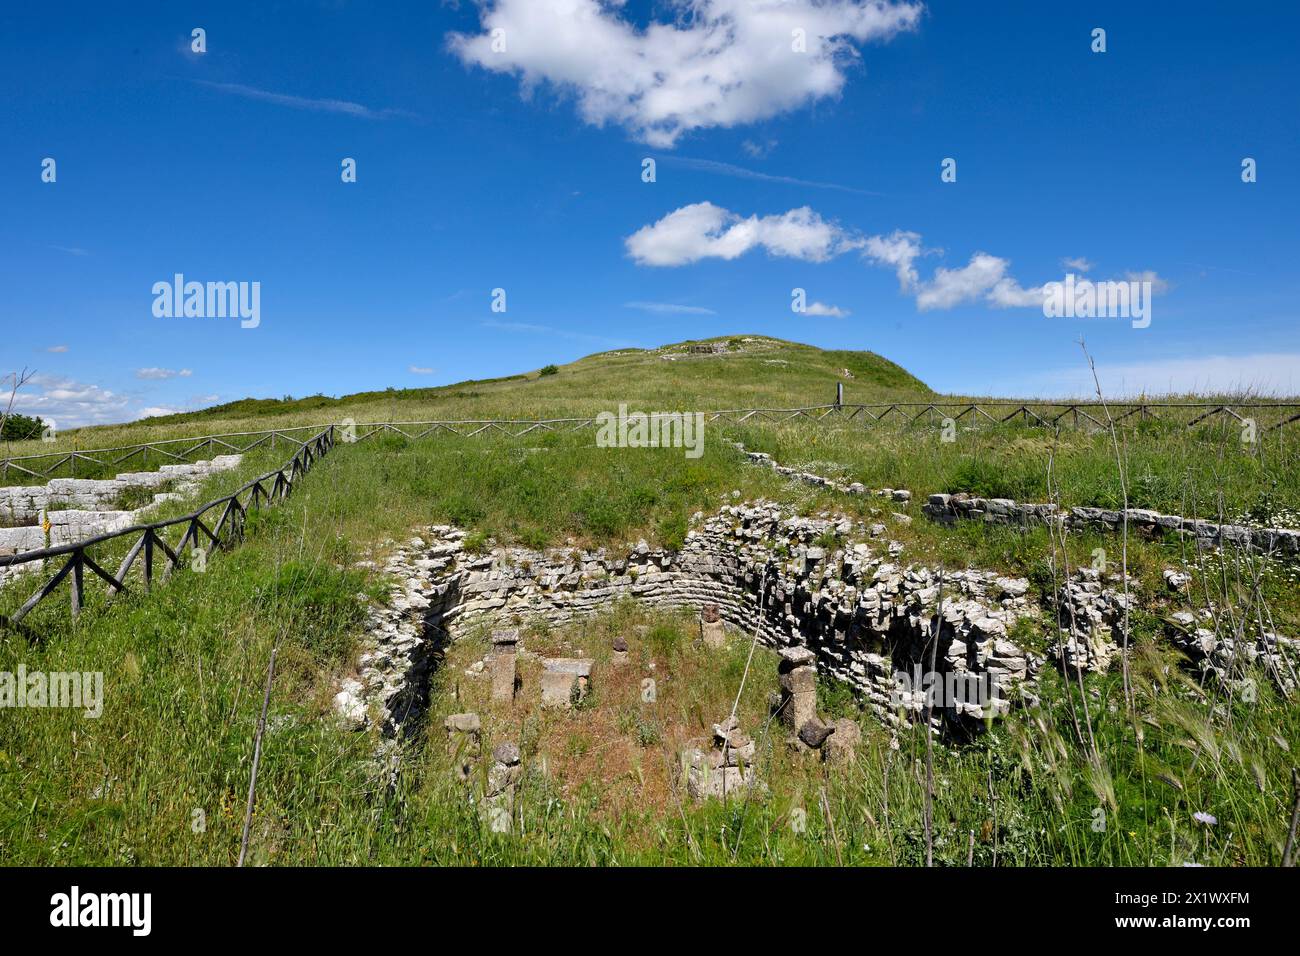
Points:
(842, 745)
(504, 677)
(713, 634)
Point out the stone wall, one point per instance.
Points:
(949, 508)
(797, 582)
(91, 512)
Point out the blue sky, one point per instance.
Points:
(521, 169)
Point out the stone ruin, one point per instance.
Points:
(822, 585)
(465, 743)
(861, 615)
(712, 631)
(505, 680)
(724, 771)
(80, 508)
(565, 681)
(947, 509)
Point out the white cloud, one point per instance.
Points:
(952, 287)
(67, 403)
(160, 374)
(155, 411)
(820, 308)
(1158, 284)
(898, 250)
(705, 231)
(720, 63)
(420, 370)
(57, 348)
(305, 102)
(669, 308)
(1076, 264)
(758, 150)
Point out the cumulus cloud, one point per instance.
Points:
(719, 63)
(898, 250)
(705, 231)
(160, 374)
(68, 403)
(820, 308)
(1076, 264)
(1147, 275)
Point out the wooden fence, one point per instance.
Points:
(151, 538)
(1267, 416)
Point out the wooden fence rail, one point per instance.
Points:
(1089, 414)
(200, 531)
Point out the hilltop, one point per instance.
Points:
(747, 371)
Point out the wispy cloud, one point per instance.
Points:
(669, 308)
(740, 172)
(308, 103)
(159, 374)
(57, 348)
(758, 150)
(71, 250)
(420, 370)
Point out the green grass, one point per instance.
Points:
(184, 666)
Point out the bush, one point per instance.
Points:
(21, 428)
(548, 370)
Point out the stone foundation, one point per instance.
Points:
(797, 582)
(950, 508)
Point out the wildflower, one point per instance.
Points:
(1200, 816)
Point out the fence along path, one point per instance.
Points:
(1268, 415)
(229, 525)
(225, 531)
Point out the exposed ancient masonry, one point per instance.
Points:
(85, 506)
(1223, 659)
(727, 769)
(950, 508)
(795, 581)
(764, 460)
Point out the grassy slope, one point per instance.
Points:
(184, 667)
(768, 373)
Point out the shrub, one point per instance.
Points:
(21, 428)
(548, 370)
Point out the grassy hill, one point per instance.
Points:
(184, 666)
(754, 371)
